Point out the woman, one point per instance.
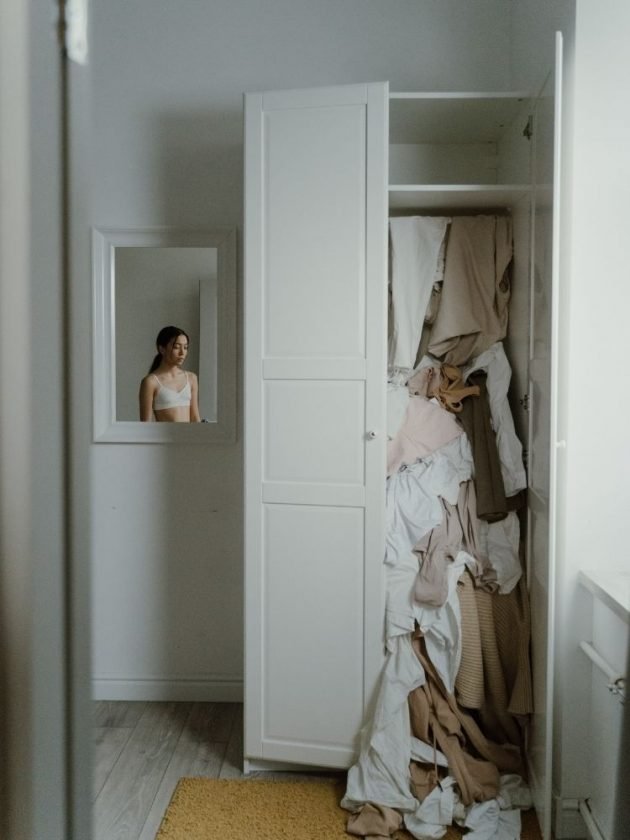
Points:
(168, 394)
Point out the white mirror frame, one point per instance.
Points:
(107, 429)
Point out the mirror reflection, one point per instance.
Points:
(168, 393)
(166, 307)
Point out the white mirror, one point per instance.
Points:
(145, 280)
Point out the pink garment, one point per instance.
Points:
(425, 428)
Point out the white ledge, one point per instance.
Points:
(611, 586)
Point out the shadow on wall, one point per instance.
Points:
(621, 826)
(197, 170)
(169, 525)
(200, 576)
(198, 182)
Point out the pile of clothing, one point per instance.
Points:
(444, 743)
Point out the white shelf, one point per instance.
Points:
(464, 196)
(611, 586)
(465, 94)
(454, 117)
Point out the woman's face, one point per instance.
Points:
(175, 351)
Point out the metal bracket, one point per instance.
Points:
(524, 401)
(618, 687)
(528, 131)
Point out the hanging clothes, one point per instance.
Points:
(438, 549)
(445, 384)
(417, 254)
(436, 717)
(495, 363)
(494, 675)
(412, 509)
(473, 311)
(499, 542)
(476, 419)
(452, 641)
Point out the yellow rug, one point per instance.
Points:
(215, 809)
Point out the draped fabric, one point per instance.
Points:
(417, 262)
(444, 743)
(473, 311)
(477, 422)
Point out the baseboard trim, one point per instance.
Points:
(255, 765)
(173, 689)
(568, 823)
(590, 821)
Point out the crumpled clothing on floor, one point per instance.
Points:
(374, 822)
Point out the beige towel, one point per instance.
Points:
(374, 822)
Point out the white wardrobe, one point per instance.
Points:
(324, 170)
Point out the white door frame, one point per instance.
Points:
(44, 643)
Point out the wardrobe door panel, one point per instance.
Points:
(314, 177)
(315, 372)
(313, 635)
(543, 437)
(311, 431)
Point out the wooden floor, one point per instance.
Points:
(143, 749)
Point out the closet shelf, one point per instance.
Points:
(430, 196)
(454, 117)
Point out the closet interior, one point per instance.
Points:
(319, 605)
(450, 726)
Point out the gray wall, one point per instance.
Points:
(532, 33)
(168, 81)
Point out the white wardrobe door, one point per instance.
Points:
(543, 438)
(315, 338)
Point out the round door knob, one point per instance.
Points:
(371, 435)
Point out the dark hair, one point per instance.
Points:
(164, 338)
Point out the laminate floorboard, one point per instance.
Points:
(199, 752)
(118, 712)
(108, 745)
(143, 749)
(123, 804)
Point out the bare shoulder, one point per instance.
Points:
(148, 383)
(193, 376)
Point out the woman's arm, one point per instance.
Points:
(194, 399)
(147, 390)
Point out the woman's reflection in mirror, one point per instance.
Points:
(169, 394)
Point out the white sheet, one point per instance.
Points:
(498, 541)
(495, 363)
(416, 245)
(381, 773)
(413, 509)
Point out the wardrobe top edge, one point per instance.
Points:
(510, 94)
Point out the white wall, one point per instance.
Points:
(168, 80)
(533, 27)
(596, 348)
(595, 300)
